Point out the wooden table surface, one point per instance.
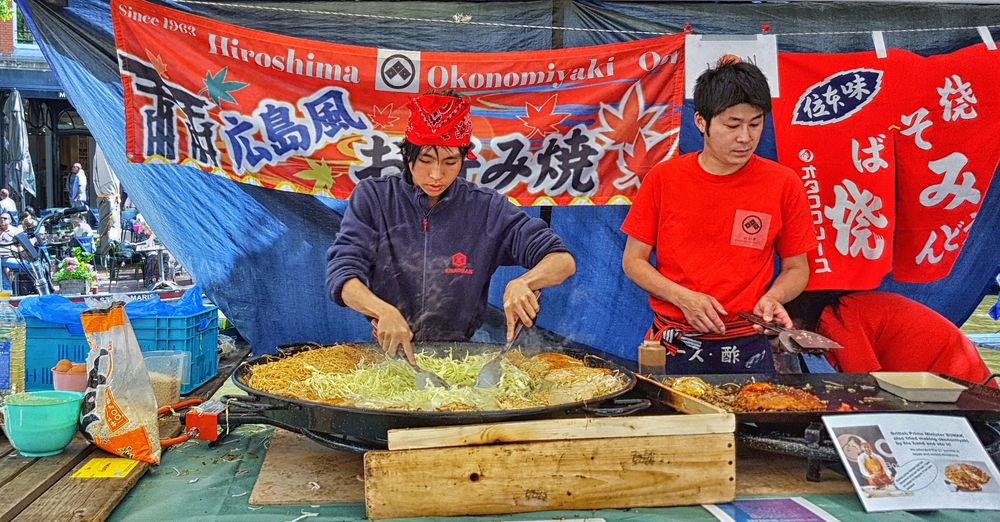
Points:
(34, 489)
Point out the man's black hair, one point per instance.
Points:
(411, 151)
(729, 84)
(806, 309)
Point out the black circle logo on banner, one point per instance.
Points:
(752, 225)
(398, 71)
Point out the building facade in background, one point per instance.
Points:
(57, 135)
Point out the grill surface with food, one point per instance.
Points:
(804, 398)
(337, 395)
(346, 374)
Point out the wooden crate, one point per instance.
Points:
(591, 463)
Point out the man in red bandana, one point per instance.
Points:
(416, 252)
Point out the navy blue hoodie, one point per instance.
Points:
(433, 264)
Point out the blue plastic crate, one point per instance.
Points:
(198, 334)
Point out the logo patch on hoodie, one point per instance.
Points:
(459, 264)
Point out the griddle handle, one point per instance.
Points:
(990, 378)
(621, 408)
(246, 403)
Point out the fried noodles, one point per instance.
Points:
(353, 376)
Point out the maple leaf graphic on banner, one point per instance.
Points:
(635, 161)
(623, 125)
(319, 172)
(218, 88)
(542, 119)
(382, 118)
(157, 62)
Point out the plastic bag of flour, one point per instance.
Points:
(119, 409)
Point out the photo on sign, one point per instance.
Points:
(870, 460)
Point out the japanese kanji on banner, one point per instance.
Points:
(947, 153)
(570, 126)
(861, 129)
(831, 126)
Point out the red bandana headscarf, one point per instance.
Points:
(439, 120)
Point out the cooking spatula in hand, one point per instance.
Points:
(796, 340)
(491, 372)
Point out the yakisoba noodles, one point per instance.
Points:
(353, 376)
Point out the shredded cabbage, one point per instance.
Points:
(391, 384)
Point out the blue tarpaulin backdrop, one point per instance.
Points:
(260, 254)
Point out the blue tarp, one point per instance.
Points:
(58, 309)
(260, 253)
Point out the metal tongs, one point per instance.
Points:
(491, 372)
(793, 340)
(422, 377)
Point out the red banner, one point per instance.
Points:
(830, 125)
(948, 152)
(569, 126)
(862, 129)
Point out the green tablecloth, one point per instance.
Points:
(196, 482)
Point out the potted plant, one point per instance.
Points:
(75, 273)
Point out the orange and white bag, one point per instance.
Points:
(119, 409)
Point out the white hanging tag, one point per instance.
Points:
(984, 33)
(879, 44)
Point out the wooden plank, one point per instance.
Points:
(551, 475)
(679, 401)
(561, 429)
(12, 464)
(772, 474)
(34, 480)
(5, 446)
(297, 470)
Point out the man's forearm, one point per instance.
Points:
(359, 298)
(643, 274)
(552, 270)
(789, 284)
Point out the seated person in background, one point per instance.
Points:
(10, 256)
(30, 221)
(8, 206)
(81, 228)
(882, 331)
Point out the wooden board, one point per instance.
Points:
(32, 480)
(561, 429)
(294, 466)
(551, 475)
(771, 474)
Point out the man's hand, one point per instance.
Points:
(772, 311)
(519, 303)
(393, 334)
(702, 311)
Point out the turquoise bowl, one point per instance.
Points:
(41, 423)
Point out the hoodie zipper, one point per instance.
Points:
(423, 283)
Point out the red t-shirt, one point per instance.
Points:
(718, 234)
(888, 332)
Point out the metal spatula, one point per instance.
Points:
(422, 377)
(795, 341)
(491, 372)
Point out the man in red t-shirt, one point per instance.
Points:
(716, 219)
